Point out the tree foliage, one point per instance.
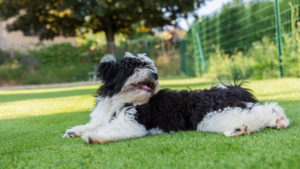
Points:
(50, 18)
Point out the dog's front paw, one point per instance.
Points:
(90, 138)
(71, 133)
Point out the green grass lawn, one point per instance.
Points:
(32, 123)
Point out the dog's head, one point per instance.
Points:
(133, 79)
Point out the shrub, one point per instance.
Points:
(260, 62)
(44, 74)
(49, 64)
(11, 73)
(222, 66)
(58, 54)
(168, 65)
(4, 57)
(67, 73)
(265, 59)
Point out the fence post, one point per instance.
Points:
(182, 49)
(279, 36)
(198, 46)
(201, 55)
(200, 49)
(197, 65)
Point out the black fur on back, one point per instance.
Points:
(115, 73)
(182, 110)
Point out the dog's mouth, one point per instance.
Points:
(148, 86)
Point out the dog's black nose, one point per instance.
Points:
(155, 76)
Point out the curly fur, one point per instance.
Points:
(173, 111)
(130, 104)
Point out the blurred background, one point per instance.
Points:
(56, 41)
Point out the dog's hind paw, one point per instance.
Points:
(237, 131)
(282, 123)
(279, 120)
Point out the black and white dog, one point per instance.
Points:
(130, 104)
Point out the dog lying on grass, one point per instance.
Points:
(130, 104)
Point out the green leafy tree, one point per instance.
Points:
(50, 18)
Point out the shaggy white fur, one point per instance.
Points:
(236, 121)
(102, 128)
(123, 127)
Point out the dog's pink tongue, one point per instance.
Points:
(145, 87)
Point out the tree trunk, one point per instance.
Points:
(110, 41)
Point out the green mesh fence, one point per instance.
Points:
(237, 27)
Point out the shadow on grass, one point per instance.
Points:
(45, 95)
(43, 121)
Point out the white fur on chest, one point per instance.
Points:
(104, 110)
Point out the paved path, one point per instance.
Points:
(50, 85)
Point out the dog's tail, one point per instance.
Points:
(237, 91)
(236, 81)
(242, 93)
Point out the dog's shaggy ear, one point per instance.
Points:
(108, 70)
